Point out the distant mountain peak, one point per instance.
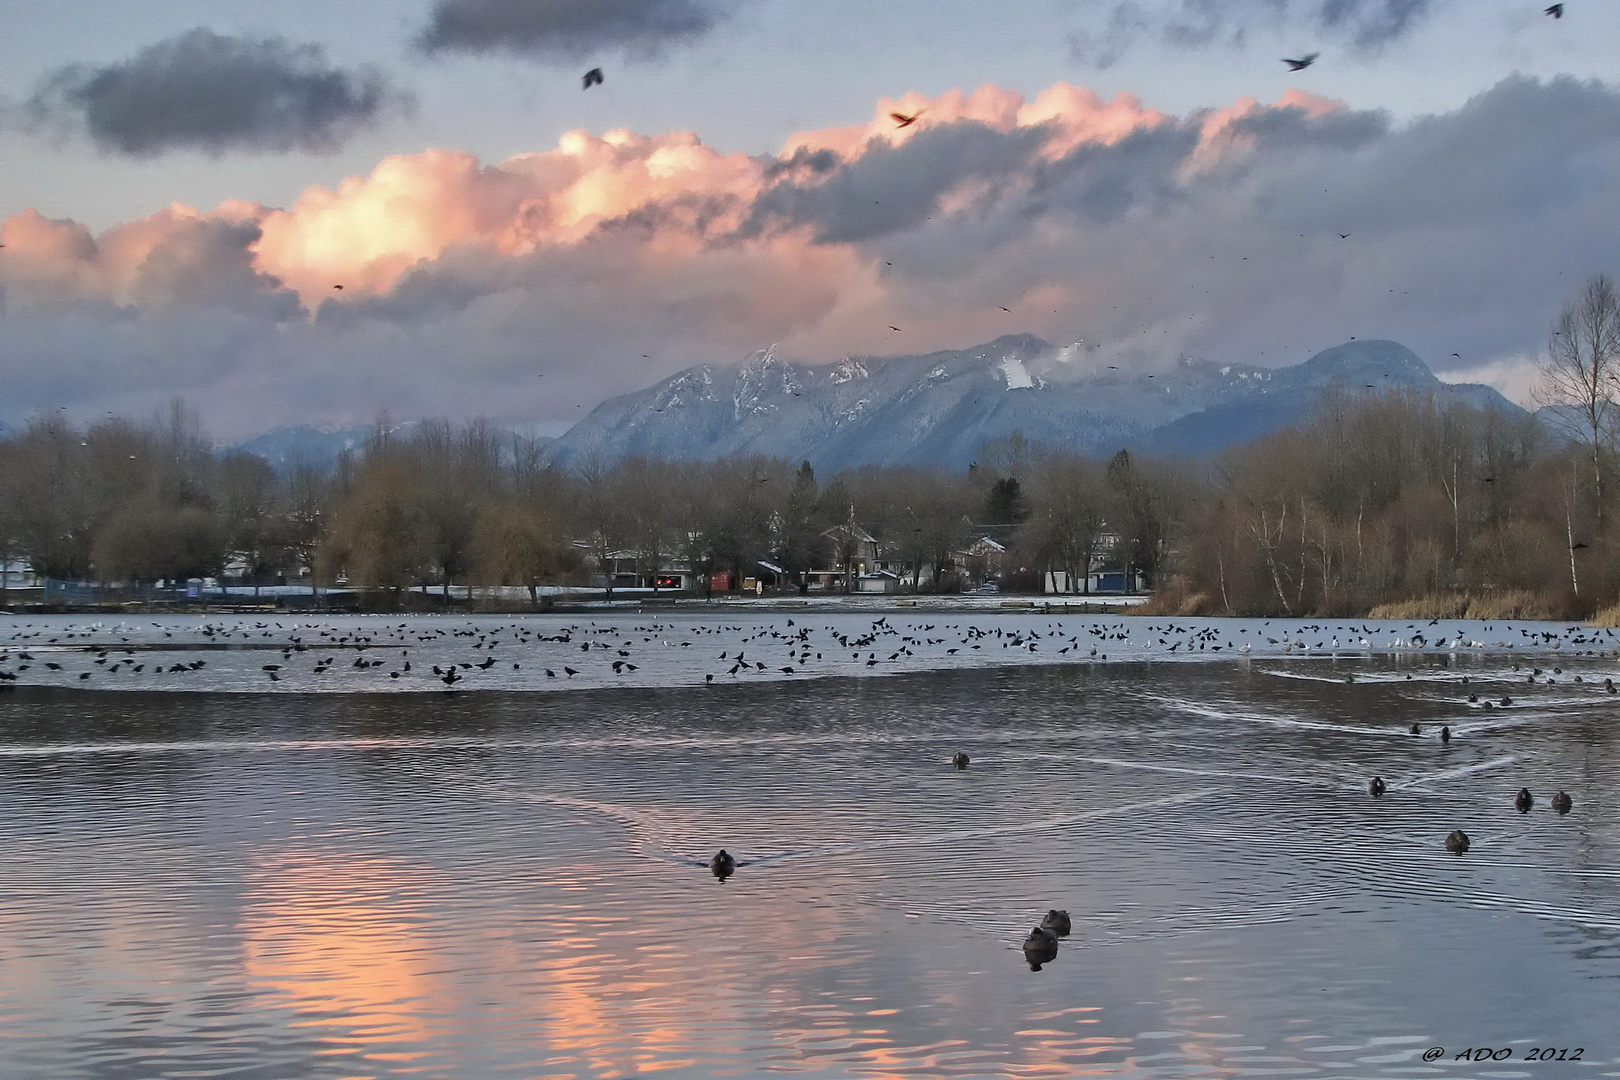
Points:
(1024, 346)
(1369, 358)
(762, 381)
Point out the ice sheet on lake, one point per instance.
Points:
(391, 653)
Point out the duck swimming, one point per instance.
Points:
(1375, 787)
(1457, 842)
(1040, 947)
(1523, 801)
(1057, 922)
(723, 865)
(960, 760)
(1445, 733)
(1562, 803)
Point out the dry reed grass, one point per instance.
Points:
(1508, 604)
(1609, 616)
(1177, 599)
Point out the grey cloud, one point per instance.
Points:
(890, 188)
(569, 29)
(208, 264)
(211, 92)
(1362, 25)
(1370, 23)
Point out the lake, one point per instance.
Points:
(512, 884)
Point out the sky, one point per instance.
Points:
(187, 184)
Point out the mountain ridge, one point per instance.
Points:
(938, 408)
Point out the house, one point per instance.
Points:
(17, 574)
(1110, 572)
(632, 570)
(877, 581)
(849, 551)
(1108, 577)
(981, 560)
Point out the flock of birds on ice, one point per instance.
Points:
(371, 653)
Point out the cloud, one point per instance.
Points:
(569, 29)
(211, 92)
(1361, 25)
(531, 288)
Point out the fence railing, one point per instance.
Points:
(55, 592)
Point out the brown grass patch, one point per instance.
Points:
(1508, 604)
(1433, 606)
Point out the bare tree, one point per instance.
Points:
(378, 535)
(518, 543)
(1066, 528)
(1581, 375)
(601, 517)
(250, 493)
(303, 519)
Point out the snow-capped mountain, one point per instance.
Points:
(307, 444)
(940, 408)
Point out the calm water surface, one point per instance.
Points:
(508, 885)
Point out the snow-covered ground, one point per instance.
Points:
(558, 652)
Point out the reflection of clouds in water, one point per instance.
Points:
(340, 937)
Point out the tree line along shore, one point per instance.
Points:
(1381, 503)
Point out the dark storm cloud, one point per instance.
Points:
(1363, 25)
(569, 29)
(211, 92)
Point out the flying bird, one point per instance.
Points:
(896, 329)
(1556, 11)
(1302, 63)
(1344, 236)
(339, 288)
(592, 78)
(902, 120)
(1008, 310)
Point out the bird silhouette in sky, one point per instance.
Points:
(896, 329)
(1302, 63)
(1556, 11)
(1344, 236)
(902, 120)
(1008, 310)
(339, 288)
(593, 77)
